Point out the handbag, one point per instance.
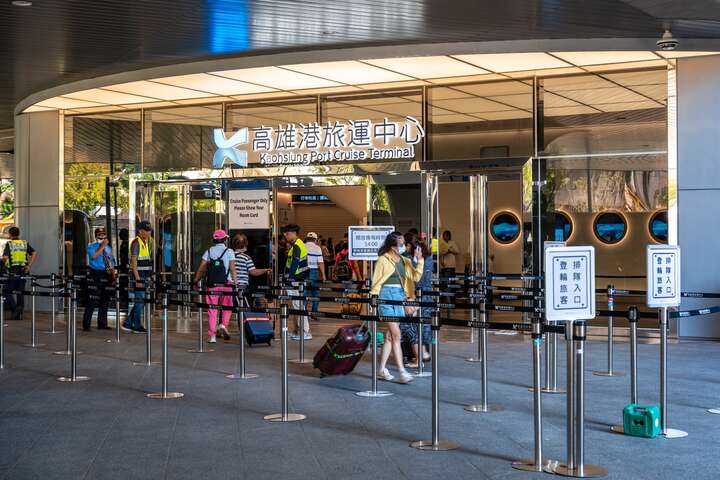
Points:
(409, 311)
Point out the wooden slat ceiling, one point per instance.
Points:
(54, 42)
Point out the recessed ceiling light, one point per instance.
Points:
(21, 3)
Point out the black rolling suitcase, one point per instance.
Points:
(258, 326)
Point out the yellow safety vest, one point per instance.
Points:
(144, 260)
(302, 264)
(434, 245)
(18, 253)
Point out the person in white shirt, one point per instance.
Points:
(448, 254)
(316, 266)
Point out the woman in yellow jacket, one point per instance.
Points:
(394, 278)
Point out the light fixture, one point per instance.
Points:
(21, 3)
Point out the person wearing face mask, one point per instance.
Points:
(101, 263)
(394, 278)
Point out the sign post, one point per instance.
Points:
(364, 241)
(570, 297)
(663, 291)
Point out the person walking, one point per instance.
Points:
(18, 257)
(218, 262)
(101, 263)
(141, 269)
(296, 271)
(410, 331)
(316, 267)
(394, 278)
(244, 264)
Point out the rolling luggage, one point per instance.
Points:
(341, 353)
(641, 421)
(258, 329)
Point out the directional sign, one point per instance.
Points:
(364, 241)
(569, 283)
(663, 275)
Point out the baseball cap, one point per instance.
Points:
(144, 225)
(312, 235)
(99, 231)
(219, 235)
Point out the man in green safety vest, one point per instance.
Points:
(18, 257)
(141, 268)
(296, 271)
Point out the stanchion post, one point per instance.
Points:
(474, 314)
(2, 330)
(241, 375)
(284, 416)
(435, 444)
(68, 318)
(373, 392)
(117, 311)
(33, 325)
(536, 464)
(483, 406)
(610, 372)
(164, 394)
(200, 347)
(632, 316)
(420, 347)
(666, 432)
(148, 314)
(301, 329)
(53, 306)
(73, 377)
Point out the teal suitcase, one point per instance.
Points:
(641, 420)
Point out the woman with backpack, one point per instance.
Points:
(218, 266)
(394, 278)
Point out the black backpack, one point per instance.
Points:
(343, 270)
(216, 272)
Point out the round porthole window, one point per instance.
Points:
(505, 227)
(610, 227)
(659, 226)
(563, 227)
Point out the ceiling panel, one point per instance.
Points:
(512, 62)
(508, 115)
(560, 111)
(349, 72)
(598, 58)
(109, 97)
(656, 92)
(619, 107)
(603, 95)
(214, 84)
(278, 78)
(453, 118)
(157, 90)
(428, 67)
(470, 105)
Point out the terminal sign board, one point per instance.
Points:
(365, 241)
(663, 276)
(569, 283)
(248, 209)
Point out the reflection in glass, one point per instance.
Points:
(563, 227)
(659, 226)
(505, 227)
(610, 227)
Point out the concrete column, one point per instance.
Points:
(698, 186)
(38, 187)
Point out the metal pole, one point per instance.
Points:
(148, 322)
(570, 403)
(164, 394)
(33, 328)
(200, 347)
(117, 314)
(73, 341)
(2, 332)
(551, 364)
(421, 350)
(373, 392)
(536, 464)
(301, 328)
(632, 322)
(483, 406)
(667, 432)
(611, 306)
(53, 306)
(284, 416)
(68, 318)
(435, 444)
(241, 323)
(475, 332)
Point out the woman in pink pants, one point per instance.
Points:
(218, 266)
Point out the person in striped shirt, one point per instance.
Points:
(244, 265)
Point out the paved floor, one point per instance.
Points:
(106, 428)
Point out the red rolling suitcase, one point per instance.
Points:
(341, 353)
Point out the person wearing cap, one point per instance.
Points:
(316, 266)
(296, 271)
(141, 268)
(219, 255)
(101, 263)
(18, 257)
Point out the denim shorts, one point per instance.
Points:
(391, 292)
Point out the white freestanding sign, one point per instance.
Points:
(248, 209)
(663, 276)
(569, 283)
(364, 241)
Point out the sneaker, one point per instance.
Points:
(412, 365)
(384, 374)
(404, 377)
(308, 336)
(294, 336)
(125, 329)
(212, 339)
(140, 329)
(224, 333)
